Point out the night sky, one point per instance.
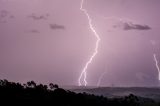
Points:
(50, 41)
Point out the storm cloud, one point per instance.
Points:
(38, 17)
(5, 15)
(132, 26)
(51, 48)
(34, 31)
(56, 26)
(127, 24)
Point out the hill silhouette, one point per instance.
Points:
(12, 93)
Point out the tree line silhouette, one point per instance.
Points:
(12, 93)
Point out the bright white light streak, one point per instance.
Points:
(100, 79)
(156, 63)
(83, 75)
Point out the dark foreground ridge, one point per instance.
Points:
(32, 94)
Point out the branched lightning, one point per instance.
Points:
(100, 79)
(84, 72)
(156, 63)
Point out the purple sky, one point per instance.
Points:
(50, 41)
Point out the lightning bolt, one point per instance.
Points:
(155, 59)
(156, 63)
(100, 79)
(84, 72)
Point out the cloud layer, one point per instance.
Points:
(38, 17)
(56, 26)
(5, 15)
(132, 26)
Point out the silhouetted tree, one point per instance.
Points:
(31, 93)
(53, 86)
(31, 84)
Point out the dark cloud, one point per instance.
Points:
(132, 26)
(38, 17)
(4, 15)
(34, 31)
(126, 25)
(56, 26)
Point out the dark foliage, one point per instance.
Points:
(32, 94)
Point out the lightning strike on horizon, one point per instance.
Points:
(100, 79)
(155, 59)
(84, 72)
(158, 69)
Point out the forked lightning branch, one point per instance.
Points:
(83, 76)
